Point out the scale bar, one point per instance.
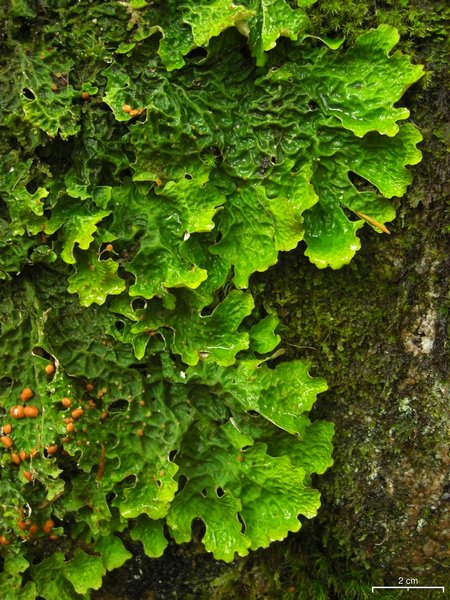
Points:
(408, 587)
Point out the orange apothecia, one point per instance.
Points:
(89, 387)
(85, 95)
(28, 476)
(15, 458)
(31, 411)
(3, 541)
(66, 402)
(26, 394)
(7, 428)
(76, 414)
(126, 108)
(48, 526)
(50, 369)
(52, 449)
(6, 441)
(17, 412)
(24, 455)
(136, 111)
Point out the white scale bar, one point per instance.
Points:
(408, 587)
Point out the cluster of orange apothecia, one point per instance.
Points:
(133, 112)
(25, 410)
(20, 411)
(30, 529)
(78, 412)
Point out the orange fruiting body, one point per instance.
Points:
(15, 458)
(6, 441)
(140, 432)
(24, 455)
(76, 414)
(66, 402)
(50, 369)
(89, 387)
(48, 526)
(26, 394)
(27, 475)
(85, 95)
(33, 529)
(3, 541)
(7, 428)
(70, 427)
(126, 108)
(109, 247)
(52, 449)
(17, 412)
(31, 411)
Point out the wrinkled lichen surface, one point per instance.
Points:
(378, 331)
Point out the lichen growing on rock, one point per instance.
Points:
(379, 330)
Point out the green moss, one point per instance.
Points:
(352, 326)
(415, 23)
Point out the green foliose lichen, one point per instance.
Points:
(153, 161)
